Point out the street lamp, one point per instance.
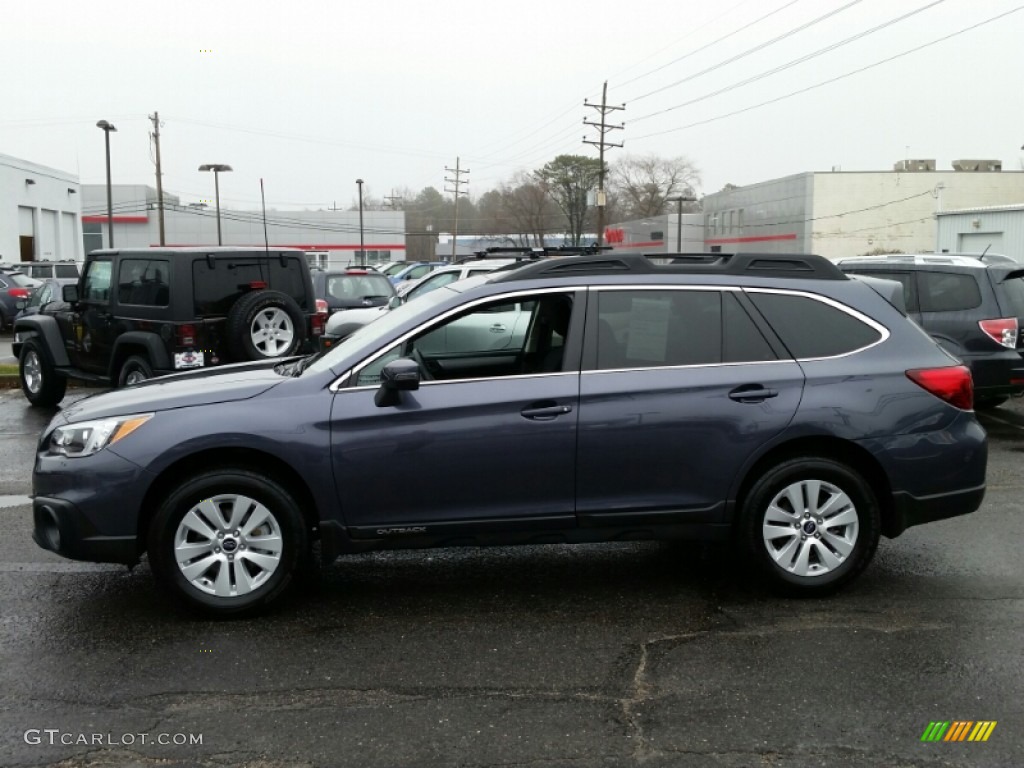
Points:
(107, 128)
(362, 251)
(217, 169)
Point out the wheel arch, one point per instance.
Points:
(136, 342)
(47, 331)
(214, 459)
(825, 447)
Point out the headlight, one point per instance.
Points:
(87, 437)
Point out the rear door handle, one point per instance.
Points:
(545, 412)
(752, 394)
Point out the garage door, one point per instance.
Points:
(977, 242)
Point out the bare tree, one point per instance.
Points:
(529, 209)
(643, 184)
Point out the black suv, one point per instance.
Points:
(973, 306)
(135, 314)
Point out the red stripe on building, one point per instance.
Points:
(760, 239)
(315, 247)
(117, 219)
(645, 244)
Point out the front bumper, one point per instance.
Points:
(88, 508)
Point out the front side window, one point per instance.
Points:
(498, 338)
(433, 282)
(658, 328)
(97, 281)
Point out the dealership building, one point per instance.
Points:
(989, 229)
(39, 212)
(136, 224)
(840, 214)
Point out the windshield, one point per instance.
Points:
(370, 335)
(358, 286)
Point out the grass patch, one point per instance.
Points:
(8, 369)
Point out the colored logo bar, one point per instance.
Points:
(958, 730)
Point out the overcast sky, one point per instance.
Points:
(309, 95)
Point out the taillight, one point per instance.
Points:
(258, 285)
(319, 322)
(321, 306)
(952, 384)
(1003, 331)
(18, 293)
(186, 335)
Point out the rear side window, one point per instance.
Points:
(143, 282)
(66, 270)
(643, 329)
(811, 328)
(742, 341)
(947, 292)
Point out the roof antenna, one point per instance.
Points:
(982, 257)
(263, 200)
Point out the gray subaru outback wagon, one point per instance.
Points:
(767, 399)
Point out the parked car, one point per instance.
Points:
(972, 305)
(135, 314)
(15, 286)
(413, 270)
(391, 268)
(49, 290)
(352, 288)
(764, 398)
(41, 270)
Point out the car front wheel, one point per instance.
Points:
(227, 541)
(811, 524)
(43, 386)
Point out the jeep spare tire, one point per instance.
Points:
(264, 325)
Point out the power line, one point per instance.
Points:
(749, 51)
(833, 79)
(794, 62)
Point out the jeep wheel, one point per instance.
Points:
(136, 369)
(811, 524)
(265, 324)
(227, 541)
(41, 384)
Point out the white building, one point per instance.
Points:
(39, 212)
(840, 214)
(664, 233)
(136, 225)
(990, 229)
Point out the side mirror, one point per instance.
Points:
(402, 375)
(70, 294)
(395, 302)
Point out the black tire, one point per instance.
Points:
(826, 567)
(134, 370)
(281, 310)
(217, 490)
(988, 403)
(43, 387)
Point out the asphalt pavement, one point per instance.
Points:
(602, 655)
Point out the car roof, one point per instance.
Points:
(971, 260)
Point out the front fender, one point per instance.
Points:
(46, 329)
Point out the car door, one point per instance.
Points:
(483, 445)
(92, 323)
(680, 386)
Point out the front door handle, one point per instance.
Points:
(545, 412)
(752, 393)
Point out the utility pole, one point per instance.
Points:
(155, 117)
(390, 199)
(603, 109)
(457, 182)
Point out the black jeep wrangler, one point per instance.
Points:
(139, 313)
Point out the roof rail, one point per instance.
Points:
(805, 266)
(532, 252)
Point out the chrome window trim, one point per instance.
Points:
(339, 383)
(374, 387)
(785, 361)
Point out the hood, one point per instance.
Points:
(222, 384)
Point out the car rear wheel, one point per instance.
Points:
(264, 325)
(811, 524)
(43, 386)
(135, 370)
(228, 542)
